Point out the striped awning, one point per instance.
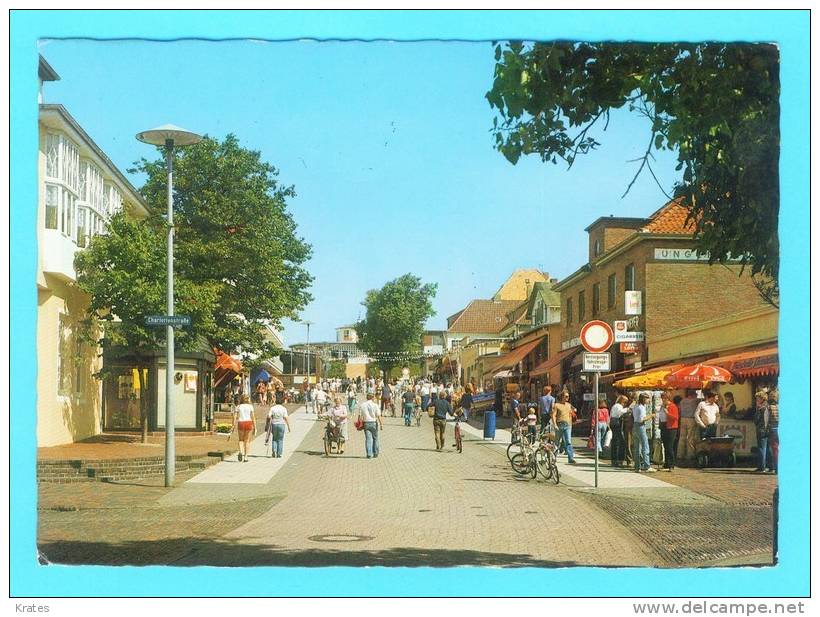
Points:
(757, 363)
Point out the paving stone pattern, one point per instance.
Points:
(412, 506)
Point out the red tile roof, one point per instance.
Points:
(482, 316)
(671, 219)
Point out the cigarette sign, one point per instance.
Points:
(628, 337)
(597, 362)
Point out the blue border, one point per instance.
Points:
(790, 29)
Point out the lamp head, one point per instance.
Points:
(161, 135)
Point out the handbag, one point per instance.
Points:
(607, 438)
(359, 424)
(657, 452)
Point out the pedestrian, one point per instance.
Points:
(424, 392)
(277, 421)
(627, 424)
(270, 393)
(562, 419)
(774, 422)
(466, 400)
(532, 421)
(408, 398)
(677, 400)
(260, 392)
(441, 408)
(689, 429)
(707, 415)
(616, 449)
(515, 403)
(498, 400)
(279, 395)
(545, 403)
(371, 415)
(764, 421)
(669, 418)
(351, 397)
(338, 416)
(600, 422)
(730, 410)
(245, 422)
(319, 400)
(640, 440)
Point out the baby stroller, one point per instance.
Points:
(333, 438)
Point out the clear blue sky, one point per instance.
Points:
(389, 149)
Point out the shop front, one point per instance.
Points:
(129, 383)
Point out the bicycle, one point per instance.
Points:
(524, 462)
(517, 434)
(546, 458)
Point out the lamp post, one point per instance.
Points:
(308, 324)
(169, 136)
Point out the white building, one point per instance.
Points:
(79, 189)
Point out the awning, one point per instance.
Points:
(503, 375)
(550, 363)
(651, 378)
(751, 363)
(225, 368)
(509, 360)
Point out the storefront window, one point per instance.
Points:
(124, 393)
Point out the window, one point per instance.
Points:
(597, 247)
(63, 356)
(629, 278)
(67, 219)
(52, 155)
(82, 227)
(581, 305)
(611, 290)
(52, 205)
(596, 298)
(569, 311)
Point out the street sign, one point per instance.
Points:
(590, 396)
(597, 363)
(632, 303)
(596, 336)
(629, 337)
(168, 320)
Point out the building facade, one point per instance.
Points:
(79, 189)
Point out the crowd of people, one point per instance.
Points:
(639, 430)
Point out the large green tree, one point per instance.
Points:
(237, 261)
(716, 105)
(394, 320)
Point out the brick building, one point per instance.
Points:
(690, 310)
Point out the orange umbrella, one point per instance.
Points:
(697, 375)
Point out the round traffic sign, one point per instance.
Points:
(596, 336)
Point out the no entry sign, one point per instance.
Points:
(596, 336)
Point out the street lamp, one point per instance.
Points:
(308, 324)
(169, 136)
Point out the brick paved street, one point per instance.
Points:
(412, 506)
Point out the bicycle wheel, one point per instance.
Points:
(520, 464)
(512, 450)
(533, 468)
(543, 463)
(556, 476)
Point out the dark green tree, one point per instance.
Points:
(238, 262)
(715, 104)
(394, 319)
(336, 370)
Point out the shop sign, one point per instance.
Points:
(573, 342)
(620, 326)
(597, 362)
(629, 337)
(672, 254)
(631, 347)
(632, 303)
(633, 323)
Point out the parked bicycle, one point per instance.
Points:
(546, 458)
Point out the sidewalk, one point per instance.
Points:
(260, 467)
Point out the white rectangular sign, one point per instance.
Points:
(628, 337)
(632, 303)
(597, 362)
(590, 396)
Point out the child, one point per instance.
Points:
(532, 420)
